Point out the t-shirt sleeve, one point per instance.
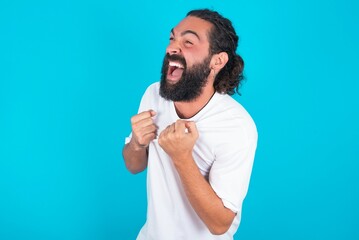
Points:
(231, 170)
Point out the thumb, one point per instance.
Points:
(152, 112)
(191, 126)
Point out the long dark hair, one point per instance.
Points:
(223, 38)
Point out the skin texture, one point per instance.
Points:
(189, 39)
(143, 132)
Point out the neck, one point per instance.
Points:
(187, 110)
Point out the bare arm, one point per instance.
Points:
(209, 207)
(143, 132)
(135, 158)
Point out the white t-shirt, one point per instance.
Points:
(224, 154)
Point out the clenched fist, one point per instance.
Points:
(143, 129)
(178, 139)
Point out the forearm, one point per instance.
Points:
(178, 143)
(208, 206)
(135, 157)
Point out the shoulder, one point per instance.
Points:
(153, 89)
(235, 117)
(150, 99)
(151, 92)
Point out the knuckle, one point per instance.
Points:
(139, 139)
(135, 127)
(150, 121)
(151, 136)
(177, 135)
(160, 139)
(146, 114)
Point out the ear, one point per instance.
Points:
(218, 61)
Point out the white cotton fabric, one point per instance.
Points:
(224, 154)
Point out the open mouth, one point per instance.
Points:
(175, 70)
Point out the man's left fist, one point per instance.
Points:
(178, 139)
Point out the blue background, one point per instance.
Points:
(72, 74)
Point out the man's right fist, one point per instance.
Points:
(143, 129)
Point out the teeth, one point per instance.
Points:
(174, 64)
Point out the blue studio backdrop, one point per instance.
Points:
(72, 74)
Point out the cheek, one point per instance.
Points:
(196, 55)
(194, 58)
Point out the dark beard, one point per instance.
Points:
(190, 86)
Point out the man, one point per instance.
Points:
(197, 143)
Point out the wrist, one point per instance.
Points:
(182, 160)
(135, 146)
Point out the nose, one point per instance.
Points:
(173, 48)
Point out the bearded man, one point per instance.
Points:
(197, 142)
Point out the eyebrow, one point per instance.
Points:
(187, 32)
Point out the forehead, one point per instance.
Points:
(197, 25)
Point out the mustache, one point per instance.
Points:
(175, 58)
